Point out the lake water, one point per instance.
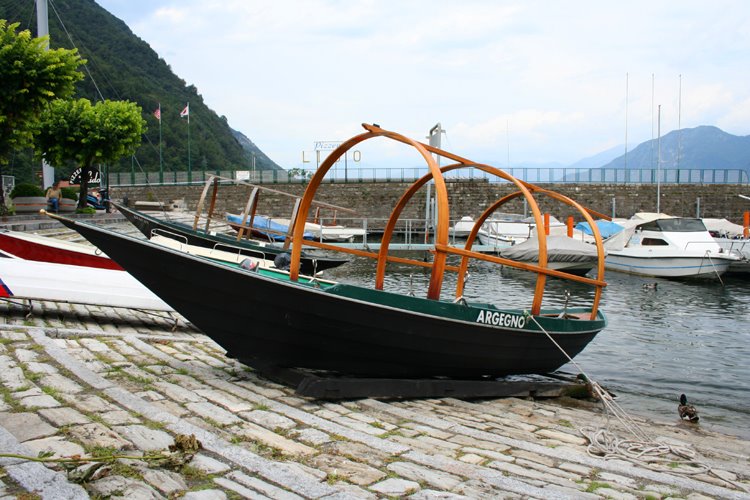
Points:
(681, 337)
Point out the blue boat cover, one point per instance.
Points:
(260, 223)
(606, 228)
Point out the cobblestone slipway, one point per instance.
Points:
(86, 380)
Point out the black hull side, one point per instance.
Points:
(183, 233)
(263, 321)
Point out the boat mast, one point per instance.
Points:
(658, 163)
(626, 123)
(679, 123)
(42, 29)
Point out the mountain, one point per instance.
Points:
(124, 67)
(254, 152)
(598, 159)
(703, 147)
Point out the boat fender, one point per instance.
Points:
(249, 264)
(283, 261)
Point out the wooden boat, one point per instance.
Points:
(149, 225)
(30, 246)
(269, 318)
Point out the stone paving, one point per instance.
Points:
(91, 381)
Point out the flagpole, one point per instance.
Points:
(190, 169)
(161, 158)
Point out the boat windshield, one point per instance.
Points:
(678, 225)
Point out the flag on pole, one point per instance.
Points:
(185, 112)
(157, 113)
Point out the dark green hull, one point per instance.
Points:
(263, 319)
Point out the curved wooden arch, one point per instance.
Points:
(442, 249)
(597, 238)
(441, 193)
(525, 190)
(390, 226)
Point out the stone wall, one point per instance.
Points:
(376, 200)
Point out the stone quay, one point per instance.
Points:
(125, 387)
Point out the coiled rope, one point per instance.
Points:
(642, 449)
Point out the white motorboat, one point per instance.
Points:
(510, 229)
(462, 228)
(668, 247)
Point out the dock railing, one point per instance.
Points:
(532, 175)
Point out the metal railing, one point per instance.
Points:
(532, 175)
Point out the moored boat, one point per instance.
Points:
(667, 247)
(731, 238)
(149, 225)
(563, 254)
(34, 280)
(276, 229)
(265, 227)
(31, 246)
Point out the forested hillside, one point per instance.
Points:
(124, 67)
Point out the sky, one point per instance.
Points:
(511, 82)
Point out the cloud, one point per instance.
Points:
(288, 73)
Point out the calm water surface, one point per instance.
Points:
(681, 337)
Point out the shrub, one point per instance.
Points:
(86, 210)
(69, 193)
(26, 189)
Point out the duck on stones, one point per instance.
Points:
(686, 411)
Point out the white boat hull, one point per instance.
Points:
(667, 247)
(668, 266)
(25, 279)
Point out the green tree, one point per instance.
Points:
(88, 134)
(30, 77)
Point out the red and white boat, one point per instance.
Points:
(29, 246)
(34, 267)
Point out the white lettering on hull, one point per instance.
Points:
(496, 318)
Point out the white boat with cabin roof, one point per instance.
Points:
(668, 247)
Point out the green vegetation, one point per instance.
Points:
(69, 193)
(30, 77)
(595, 485)
(26, 189)
(125, 67)
(77, 131)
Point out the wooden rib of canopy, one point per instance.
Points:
(441, 247)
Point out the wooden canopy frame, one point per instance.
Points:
(442, 249)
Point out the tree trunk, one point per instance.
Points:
(2, 191)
